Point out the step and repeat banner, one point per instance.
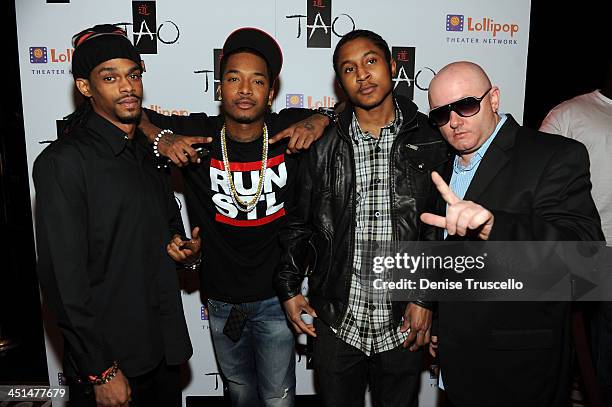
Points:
(180, 43)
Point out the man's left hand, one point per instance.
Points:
(418, 321)
(185, 251)
(302, 134)
(461, 216)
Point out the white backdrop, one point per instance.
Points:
(178, 39)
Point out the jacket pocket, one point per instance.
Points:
(338, 175)
(424, 157)
(416, 162)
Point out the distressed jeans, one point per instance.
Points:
(259, 369)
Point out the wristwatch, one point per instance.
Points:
(330, 112)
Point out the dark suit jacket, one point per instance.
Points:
(517, 353)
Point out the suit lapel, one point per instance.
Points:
(446, 175)
(496, 157)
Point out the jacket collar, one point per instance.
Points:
(496, 157)
(408, 107)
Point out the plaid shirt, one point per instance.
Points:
(367, 324)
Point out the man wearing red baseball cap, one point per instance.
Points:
(237, 194)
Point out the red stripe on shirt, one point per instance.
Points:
(250, 166)
(249, 222)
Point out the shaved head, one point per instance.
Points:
(455, 82)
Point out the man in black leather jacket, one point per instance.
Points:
(367, 181)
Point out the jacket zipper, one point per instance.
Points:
(347, 280)
(392, 180)
(416, 147)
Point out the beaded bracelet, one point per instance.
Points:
(106, 376)
(157, 138)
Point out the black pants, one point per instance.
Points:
(159, 387)
(343, 372)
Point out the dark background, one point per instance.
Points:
(561, 64)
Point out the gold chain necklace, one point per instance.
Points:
(239, 203)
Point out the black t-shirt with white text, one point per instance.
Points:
(240, 251)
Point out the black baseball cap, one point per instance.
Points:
(257, 40)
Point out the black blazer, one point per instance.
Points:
(538, 187)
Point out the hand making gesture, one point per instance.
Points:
(461, 216)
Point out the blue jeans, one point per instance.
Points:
(259, 369)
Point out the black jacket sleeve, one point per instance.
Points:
(296, 233)
(287, 117)
(563, 209)
(174, 328)
(62, 236)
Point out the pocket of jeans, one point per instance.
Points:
(217, 305)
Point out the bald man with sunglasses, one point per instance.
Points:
(506, 183)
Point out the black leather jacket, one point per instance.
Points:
(323, 215)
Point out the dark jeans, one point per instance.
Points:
(343, 372)
(159, 387)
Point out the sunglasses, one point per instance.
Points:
(466, 107)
